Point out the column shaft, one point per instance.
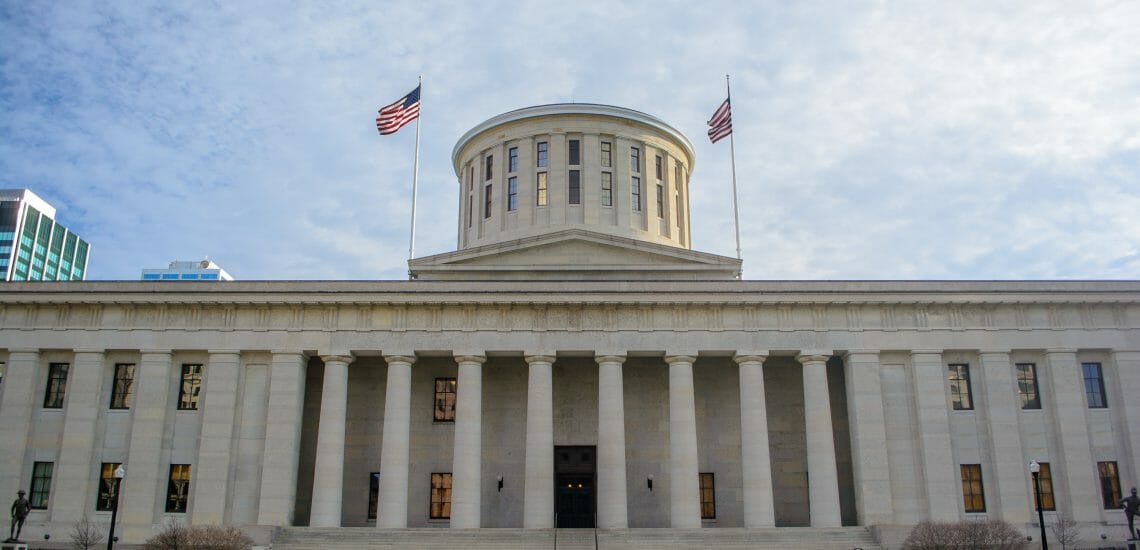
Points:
(1070, 426)
(613, 512)
(328, 476)
(867, 422)
(1001, 411)
(146, 468)
(823, 476)
(282, 439)
(16, 404)
(467, 463)
(756, 463)
(1127, 368)
(538, 485)
(215, 448)
(684, 484)
(394, 448)
(943, 477)
(74, 481)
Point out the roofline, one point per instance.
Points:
(573, 109)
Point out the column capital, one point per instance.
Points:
(1121, 352)
(750, 357)
(994, 351)
(165, 352)
(224, 352)
(914, 352)
(77, 351)
(539, 357)
(680, 358)
(470, 358)
(337, 358)
(1058, 351)
(858, 352)
(276, 352)
(609, 358)
(408, 358)
(813, 356)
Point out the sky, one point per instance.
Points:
(874, 140)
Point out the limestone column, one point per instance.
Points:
(538, 486)
(282, 438)
(146, 468)
(73, 474)
(823, 476)
(867, 423)
(1070, 427)
(467, 462)
(215, 447)
(943, 477)
(684, 484)
(1010, 466)
(1127, 369)
(613, 511)
(756, 463)
(16, 405)
(394, 447)
(328, 474)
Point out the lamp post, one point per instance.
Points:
(1035, 470)
(119, 473)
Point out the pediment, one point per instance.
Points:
(575, 254)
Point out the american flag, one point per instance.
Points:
(720, 125)
(399, 113)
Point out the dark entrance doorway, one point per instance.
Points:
(574, 469)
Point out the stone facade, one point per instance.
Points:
(604, 385)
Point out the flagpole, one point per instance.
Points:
(732, 152)
(415, 176)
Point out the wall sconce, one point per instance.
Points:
(649, 481)
(500, 484)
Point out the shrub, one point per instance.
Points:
(990, 534)
(199, 537)
(85, 535)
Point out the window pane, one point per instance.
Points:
(540, 185)
(191, 385)
(575, 187)
(444, 399)
(41, 485)
(634, 159)
(1027, 386)
(513, 159)
(973, 495)
(512, 193)
(107, 486)
(607, 158)
(373, 493)
(1094, 385)
(574, 152)
(708, 496)
(56, 386)
(635, 192)
(178, 489)
(607, 189)
(122, 394)
(1109, 485)
(488, 165)
(541, 154)
(1045, 480)
(960, 396)
(487, 201)
(440, 496)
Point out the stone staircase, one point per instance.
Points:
(367, 538)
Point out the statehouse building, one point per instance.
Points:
(573, 364)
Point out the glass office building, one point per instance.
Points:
(204, 270)
(33, 246)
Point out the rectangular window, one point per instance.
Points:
(373, 493)
(41, 485)
(635, 159)
(574, 152)
(1109, 485)
(708, 496)
(540, 154)
(973, 495)
(575, 187)
(658, 163)
(123, 392)
(189, 388)
(1027, 386)
(1045, 479)
(56, 385)
(512, 193)
(487, 201)
(660, 201)
(540, 189)
(1094, 385)
(490, 163)
(178, 489)
(107, 487)
(513, 159)
(444, 400)
(441, 495)
(960, 396)
(607, 155)
(635, 190)
(607, 189)
(470, 209)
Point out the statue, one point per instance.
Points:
(20, 509)
(1131, 505)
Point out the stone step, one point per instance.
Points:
(367, 538)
